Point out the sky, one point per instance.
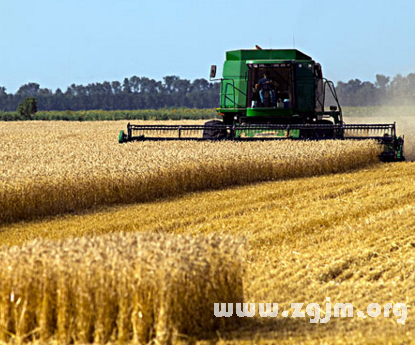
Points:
(56, 43)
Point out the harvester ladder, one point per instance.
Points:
(226, 94)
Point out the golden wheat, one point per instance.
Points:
(53, 168)
(119, 287)
(308, 238)
(348, 236)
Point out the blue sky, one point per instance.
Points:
(60, 42)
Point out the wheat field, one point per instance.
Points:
(65, 167)
(350, 237)
(117, 288)
(307, 236)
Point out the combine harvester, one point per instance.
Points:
(273, 94)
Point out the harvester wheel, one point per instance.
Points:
(210, 132)
(121, 137)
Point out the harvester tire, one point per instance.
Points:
(121, 137)
(209, 132)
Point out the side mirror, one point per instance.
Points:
(318, 71)
(333, 108)
(212, 71)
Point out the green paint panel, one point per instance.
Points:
(305, 86)
(266, 54)
(234, 69)
(268, 133)
(277, 61)
(269, 112)
(234, 85)
(230, 110)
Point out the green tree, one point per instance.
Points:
(126, 87)
(27, 108)
(28, 90)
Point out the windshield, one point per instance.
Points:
(270, 85)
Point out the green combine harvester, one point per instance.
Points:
(273, 94)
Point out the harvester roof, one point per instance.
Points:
(266, 54)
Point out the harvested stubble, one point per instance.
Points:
(350, 237)
(53, 168)
(118, 287)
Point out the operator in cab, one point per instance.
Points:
(266, 85)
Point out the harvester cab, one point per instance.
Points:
(273, 94)
(275, 87)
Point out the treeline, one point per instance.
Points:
(133, 93)
(110, 115)
(137, 93)
(384, 91)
